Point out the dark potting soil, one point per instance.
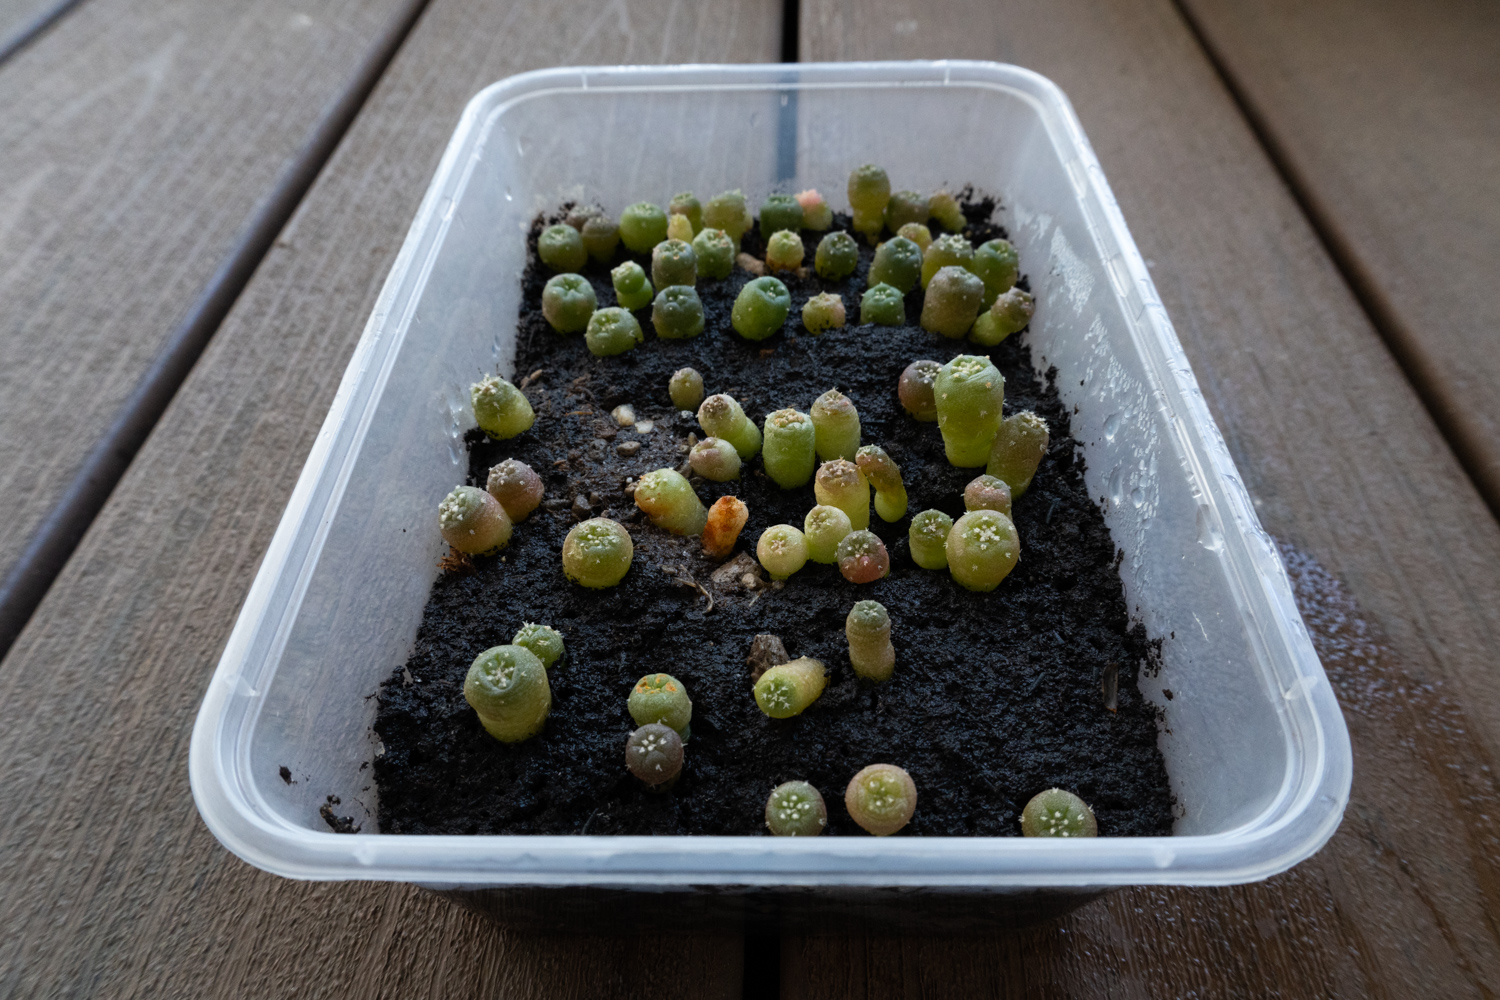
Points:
(995, 696)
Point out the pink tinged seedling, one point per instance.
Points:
(862, 557)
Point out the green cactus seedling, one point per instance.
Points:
(816, 213)
(501, 410)
(473, 522)
(795, 809)
(507, 688)
(882, 305)
(782, 550)
(928, 538)
(1018, 450)
(987, 493)
(840, 484)
(642, 226)
(915, 390)
(898, 263)
(722, 417)
(918, 234)
(881, 798)
(567, 302)
(824, 527)
(997, 265)
(954, 298)
(673, 262)
(868, 629)
(517, 486)
(946, 210)
(906, 207)
(869, 193)
(597, 553)
(544, 641)
(714, 458)
(970, 394)
(837, 256)
(1056, 813)
(836, 422)
(612, 331)
(728, 212)
(787, 448)
(715, 253)
(982, 549)
(561, 248)
(780, 212)
(677, 313)
(951, 250)
(601, 238)
(661, 698)
(885, 476)
(822, 312)
(1010, 314)
(686, 388)
(761, 308)
(784, 251)
(788, 689)
(667, 498)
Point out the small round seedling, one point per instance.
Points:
(613, 331)
(970, 394)
(953, 301)
(642, 226)
(726, 519)
(868, 630)
(928, 538)
(673, 262)
(507, 688)
(918, 234)
(824, 311)
(998, 265)
(561, 248)
(795, 809)
(862, 557)
(632, 288)
(667, 498)
(579, 215)
(729, 213)
(501, 410)
(915, 390)
(885, 476)
(836, 422)
(653, 753)
(882, 305)
(679, 228)
(1010, 314)
(905, 208)
(881, 799)
(722, 417)
(869, 193)
(689, 207)
(987, 493)
(544, 641)
(780, 212)
(601, 238)
(946, 251)
(825, 526)
(840, 484)
(816, 213)
(1018, 450)
(716, 459)
(898, 263)
(517, 486)
(661, 698)
(686, 388)
(982, 549)
(761, 308)
(473, 522)
(567, 302)
(715, 252)
(947, 211)
(1056, 813)
(837, 256)
(597, 553)
(787, 690)
(677, 313)
(787, 448)
(784, 251)
(782, 550)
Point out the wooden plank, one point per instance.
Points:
(1383, 118)
(1345, 465)
(109, 884)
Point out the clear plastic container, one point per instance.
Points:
(1255, 747)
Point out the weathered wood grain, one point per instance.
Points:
(109, 883)
(1383, 116)
(19, 18)
(1345, 465)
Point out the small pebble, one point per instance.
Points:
(628, 449)
(645, 427)
(581, 508)
(624, 414)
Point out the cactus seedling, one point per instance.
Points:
(970, 393)
(837, 256)
(882, 305)
(787, 690)
(824, 311)
(579, 215)
(928, 538)
(714, 458)
(689, 207)
(954, 298)
(500, 409)
(915, 390)
(945, 209)
(679, 228)
(673, 262)
(795, 809)
(951, 250)
(863, 558)
(987, 493)
(632, 288)
(906, 207)
(1010, 313)
(727, 211)
(825, 527)
(869, 193)
(686, 388)
(722, 417)
(898, 263)
(715, 253)
(881, 799)
(567, 302)
(1018, 450)
(601, 238)
(784, 251)
(868, 629)
(997, 265)
(918, 234)
(669, 501)
(788, 448)
(885, 475)
(840, 484)
(782, 550)
(1056, 813)
(982, 549)
(473, 522)
(761, 309)
(778, 212)
(653, 753)
(816, 214)
(517, 486)
(661, 698)
(597, 553)
(837, 424)
(612, 331)
(726, 518)
(561, 248)
(642, 226)
(677, 313)
(507, 687)
(544, 641)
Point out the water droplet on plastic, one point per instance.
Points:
(1138, 496)
(1117, 484)
(1111, 426)
(1208, 531)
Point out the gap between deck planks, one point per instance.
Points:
(109, 883)
(1344, 464)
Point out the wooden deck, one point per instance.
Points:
(137, 138)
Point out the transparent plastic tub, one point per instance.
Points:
(1255, 747)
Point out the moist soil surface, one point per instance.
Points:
(995, 696)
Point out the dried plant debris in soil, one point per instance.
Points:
(995, 696)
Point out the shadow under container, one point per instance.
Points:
(1256, 750)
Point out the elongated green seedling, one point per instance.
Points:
(597, 553)
(714, 458)
(669, 501)
(729, 213)
(673, 262)
(689, 207)
(824, 527)
(516, 486)
(868, 629)
(726, 519)
(1056, 813)
(686, 388)
(784, 251)
(561, 248)
(1010, 314)
(862, 557)
(661, 698)
(951, 250)
(997, 265)
(601, 238)
(987, 493)
(473, 522)
(869, 193)
(946, 210)
(632, 288)
(722, 417)
(715, 253)
(837, 256)
(642, 226)
(918, 234)
(779, 212)
(679, 228)
(840, 484)
(982, 549)
(915, 390)
(970, 394)
(761, 309)
(928, 538)
(782, 550)
(881, 798)
(898, 263)
(816, 213)
(882, 305)
(796, 809)
(1018, 450)
(501, 410)
(653, 753)
(906, 207)
(885, 476)
(824, 311)
(567, 302)
(507, 688)
(787, 446)
(788, 689)
(612, 331)
(836, 422)
(544, 641)
(677, 313)
(954, 298)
